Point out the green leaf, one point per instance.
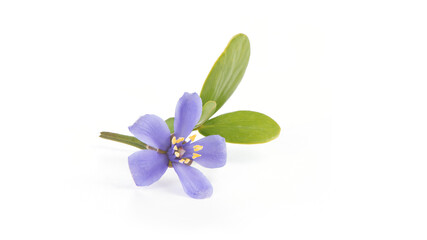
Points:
(169, 122)
(242, 127)
(207, 111)
(227, 72)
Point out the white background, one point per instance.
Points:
(344, 79)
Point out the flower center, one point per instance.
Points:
(178, 150)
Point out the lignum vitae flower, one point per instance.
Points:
(176, 150)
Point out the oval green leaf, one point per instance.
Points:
(245, 127)
(227, 72)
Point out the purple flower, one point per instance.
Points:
(147, 166)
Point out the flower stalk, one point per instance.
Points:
(129, 140)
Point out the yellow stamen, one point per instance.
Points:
(197, 148)
(181, 161)
(187, 161)
(176, 154)
(174, 140)
(195, 155)
(192, 137)
(180, 140)
(175, 148)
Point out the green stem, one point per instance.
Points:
(124, 139)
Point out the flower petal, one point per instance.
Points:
(213, 153)
(152, 130)
(187, 114)
(147, 166)
(195, 184)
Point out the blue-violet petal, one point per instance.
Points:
(147, 166)
(152, 130)
(195, 184)
(213, 152)
(187, 114)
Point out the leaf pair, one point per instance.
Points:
(246, 127)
